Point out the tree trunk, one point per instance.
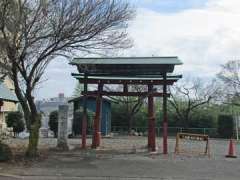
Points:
(130, 124)
(186, 120)
(34, 136)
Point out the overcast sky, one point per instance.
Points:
(203, 33)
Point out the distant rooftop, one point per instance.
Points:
(6, 94)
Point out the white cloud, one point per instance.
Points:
(57, 79)
(203, 38)
(230, 6)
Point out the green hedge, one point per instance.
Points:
(225, 126)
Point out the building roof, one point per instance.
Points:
(6, 94)
(126, 66)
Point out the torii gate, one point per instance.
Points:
(126, 71)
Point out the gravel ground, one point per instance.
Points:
(126, 144)
(124, 158)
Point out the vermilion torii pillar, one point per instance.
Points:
(97, 119)
(165, 121)
(151, 120)
(84, 119)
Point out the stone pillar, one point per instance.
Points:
(62, 127)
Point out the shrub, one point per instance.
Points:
(225, 126)
(5, 152)
(203, 119)
(15, 120)
(53, 122)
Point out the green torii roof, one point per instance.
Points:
(126, 66)
(128, 60)
(6, 94)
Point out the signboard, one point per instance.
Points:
(192, 137)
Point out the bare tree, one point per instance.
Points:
(78, 90)
(230, 82)
(32, 33)
(190, 95)
(133, 104)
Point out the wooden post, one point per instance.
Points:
(97, 119)
(125, 88)
(207, 149)
(177, 144)
(165, 121)
(151, 120)
(84, 119)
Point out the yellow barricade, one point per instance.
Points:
(193, 137)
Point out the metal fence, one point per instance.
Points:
(172, 131)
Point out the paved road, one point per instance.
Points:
(82, 178)
(128, 166)
(117, 165)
